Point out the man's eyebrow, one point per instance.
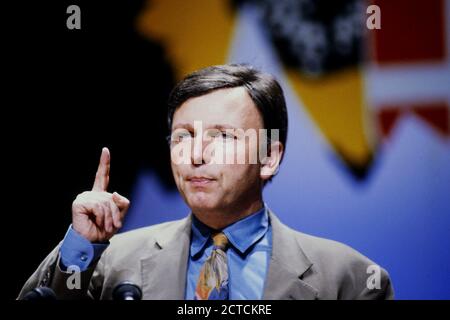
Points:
(189, 127)
(221, 126)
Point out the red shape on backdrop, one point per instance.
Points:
(387, 119)
(411, 31)
(435, 114)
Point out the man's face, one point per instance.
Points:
(206, 185)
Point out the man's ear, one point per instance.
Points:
(271, 163)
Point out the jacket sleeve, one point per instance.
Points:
(70, 284)
(384, 291)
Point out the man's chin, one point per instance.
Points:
(202, 202)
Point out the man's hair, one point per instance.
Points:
(263, 89)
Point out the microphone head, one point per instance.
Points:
(40, 293)
(127, 291)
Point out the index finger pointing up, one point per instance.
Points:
(102, 175)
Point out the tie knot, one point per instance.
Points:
(220, 240)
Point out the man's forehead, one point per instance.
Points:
(223, 108)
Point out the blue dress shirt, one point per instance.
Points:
(78, 251)
(248, 255)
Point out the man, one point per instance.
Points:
(232, 246)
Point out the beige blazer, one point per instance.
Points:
(156, 257)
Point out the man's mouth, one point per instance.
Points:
(200, 181)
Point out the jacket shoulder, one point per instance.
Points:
(145, 236)
(324, 250)
(347, 269)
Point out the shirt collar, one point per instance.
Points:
(242, 234)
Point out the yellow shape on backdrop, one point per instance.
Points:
(337, 106)
(195, 33)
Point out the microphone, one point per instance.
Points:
(40, 293)
(127, 291)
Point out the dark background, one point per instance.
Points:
(68, 94)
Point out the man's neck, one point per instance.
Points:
(219, 219)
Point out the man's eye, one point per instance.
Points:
(180, 137)
(224, 135)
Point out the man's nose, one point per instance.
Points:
(198, 146)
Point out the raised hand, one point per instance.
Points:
(97, 214)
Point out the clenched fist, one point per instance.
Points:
(97, 214)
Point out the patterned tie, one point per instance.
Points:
(212, 283)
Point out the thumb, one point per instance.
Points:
(121, 202)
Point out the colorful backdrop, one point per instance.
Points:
(368, 152)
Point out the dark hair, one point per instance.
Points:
(263, 88)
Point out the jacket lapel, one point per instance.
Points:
(287, 265)
(164, 271)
